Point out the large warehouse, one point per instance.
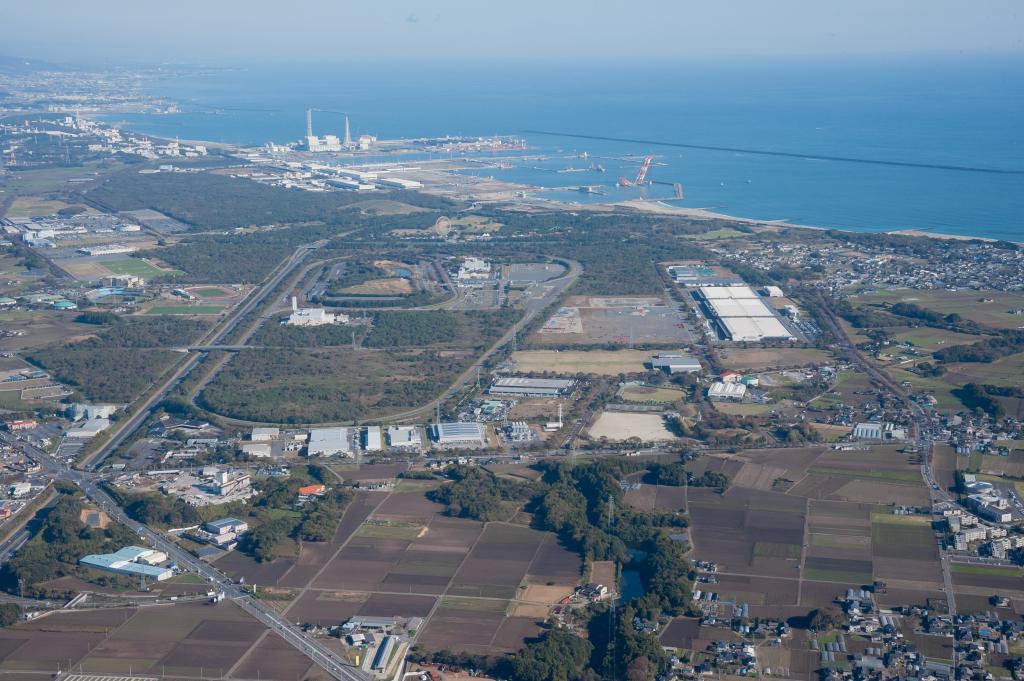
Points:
(532, 387)
(329, 442)
(460, 434)
(741, 314)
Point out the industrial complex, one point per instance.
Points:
(740, 314)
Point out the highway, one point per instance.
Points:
(89, 482)
(214, 337)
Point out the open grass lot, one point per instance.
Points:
(1005, 371)
(136, 267)
(186, 309)
(760, 359)
(967, 304)
(928, 339)
(599, 362)
(41, 328)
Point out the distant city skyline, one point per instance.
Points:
(233, 30)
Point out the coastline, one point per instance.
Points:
(660, 208)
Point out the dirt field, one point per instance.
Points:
(187, 638)
(623, 426)
(642, 393)
(600, 362)
(391, 286)
(760, 359)
(597, 320)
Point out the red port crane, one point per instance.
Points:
(641, 176)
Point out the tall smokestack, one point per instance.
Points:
(348, 137)
(295, 304)
(309, 122)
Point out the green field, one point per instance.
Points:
(913, 476)
(185, 309)
(724, 233)
(769, 549)
(135, 267)
(820, 575)
(990, 570)
(904, 532)
(11, 400)
(210, 292)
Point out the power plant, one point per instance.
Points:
(327, 142)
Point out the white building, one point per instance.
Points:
(741, 314)
(675, 363)
(772, 292)
(372, 439)
(19, 489)
(404, 437)
(473, 270)
(720, 391)
(878, 431)
(264, 434)
(89, 428)
(329, 442)
(460, 434)
(260, 450)
(313, 316)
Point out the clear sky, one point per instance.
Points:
(231, 30)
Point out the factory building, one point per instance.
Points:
(329, 442)
(106, 249)
(404, 437)
(740, 313)
(372, 439)
(313, 316)
(722, 392)
(135, 561)
(532, 387)
(460, 434)
(878, 431)
(259, 450)
(398, 183)
(699, 275)
(264, 434)
(675, 363)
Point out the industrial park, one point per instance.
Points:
(362, 404)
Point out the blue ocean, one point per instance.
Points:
(953, 126)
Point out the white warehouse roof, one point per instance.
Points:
(718, 292)
(740, 307)
(754, 328)
(328, 441)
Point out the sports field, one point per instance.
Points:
(185, 309)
